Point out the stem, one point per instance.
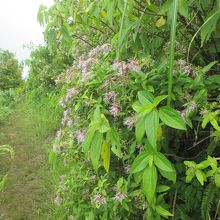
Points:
(172, 50)
(120, 31)
(174, 204)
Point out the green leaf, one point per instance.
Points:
(151, 127)
(3, 182)
(115, 142)
(137, 106)
(206, 68)
(217, 180)
(88, 139)
(199, 176)
(163, 163)
(104, 124)
(190, 173)
(145, 109)
(214, 79)
(150, 182)
(140, 129)
(162, 188)
(105, 154)
(163, 212)
(183, 8)
(171, 118)
(95, 150)
(65, 32)
(168, 175)
(140, 162)
(145, 97)
(159, 99)
(209, 25)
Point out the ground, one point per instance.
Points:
(28, 194)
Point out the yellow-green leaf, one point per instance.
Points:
(161, 22)
(105, 154)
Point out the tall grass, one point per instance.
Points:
(172, 50)
(45, 112)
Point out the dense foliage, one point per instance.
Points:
(139, 83)
(10, 71)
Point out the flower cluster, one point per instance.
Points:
(99, 200)
(66, 120)
(80, 136)
(120, 196)
(186, 68)
(189, 107)
(115, 109)
(130, 121)
(123, 68)
(85, 63)
(110, 96)
(69, 95)
(66, 76)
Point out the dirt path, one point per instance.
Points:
(28, 194)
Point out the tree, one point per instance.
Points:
(10, 70)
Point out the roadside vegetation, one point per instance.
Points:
(122, 102)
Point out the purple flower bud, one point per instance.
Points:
(99, 200)
(120, 196)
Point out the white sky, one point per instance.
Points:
(19, 25)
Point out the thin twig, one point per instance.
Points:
(174, 203)
(184, 158)
(80, 38)
(199, 142)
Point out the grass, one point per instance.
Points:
(29, 192)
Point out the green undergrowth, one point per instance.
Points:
(28, 193)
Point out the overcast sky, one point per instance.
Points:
(19, 26)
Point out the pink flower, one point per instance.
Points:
(99, 200)
(70, 123)
(80, 136)
(120, 67)
(114, 109)
(110, 96)
(120, 196)
(130, 122)
(133, 66)
(105, 48)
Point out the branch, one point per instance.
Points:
(80, 38)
